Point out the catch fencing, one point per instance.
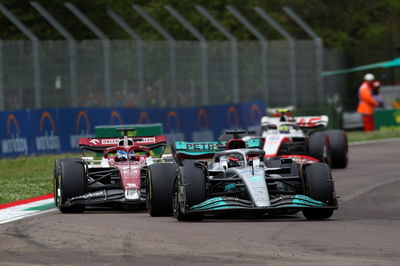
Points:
(127, 73)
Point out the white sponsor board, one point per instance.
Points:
(15, 144)
(48, 142)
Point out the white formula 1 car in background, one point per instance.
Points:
(302, 139)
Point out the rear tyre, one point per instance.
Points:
(70, 181)
(190, 189)
(159, 190)
(318, 147)
(339, 148)
(319, 186)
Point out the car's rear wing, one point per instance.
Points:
(206, 150)
(301, 121)
(100, 144)
(312, 121)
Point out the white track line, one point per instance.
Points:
(20, 211)
(25, 216)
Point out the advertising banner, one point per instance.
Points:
(58, 130)
(388, 119)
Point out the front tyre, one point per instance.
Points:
(159, 190)
(190, 189)
(319, 186)
(70, 181)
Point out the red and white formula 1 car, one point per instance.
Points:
(293, 137)
(117, 179)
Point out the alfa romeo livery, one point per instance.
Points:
(118, 178)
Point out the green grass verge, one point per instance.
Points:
(27, 177)
(354, 136)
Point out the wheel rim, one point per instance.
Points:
(148, 193)
(175, 204)
(327, 154)
(57, 193)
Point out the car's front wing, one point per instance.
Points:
(297, 202)
(104, 197)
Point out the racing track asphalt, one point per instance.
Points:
(364, 231)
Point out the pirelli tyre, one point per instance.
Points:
(318, 147)
(160, 184)
(338, 147)
(189, 190)
(319, 186)
(70, 181)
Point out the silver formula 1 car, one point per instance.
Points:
(237, 180)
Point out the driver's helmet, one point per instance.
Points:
(284, 129)
(121, 156)
(131, 155)
(235, 160)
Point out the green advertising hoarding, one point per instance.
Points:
(388, 119)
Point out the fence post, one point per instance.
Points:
(172, 47)
(35, 53)
(319, 52)
(71, 49)
(234, 50)
(291, 41)
(204, 49)
(139, 51)
(106, 48)
(264, 49)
